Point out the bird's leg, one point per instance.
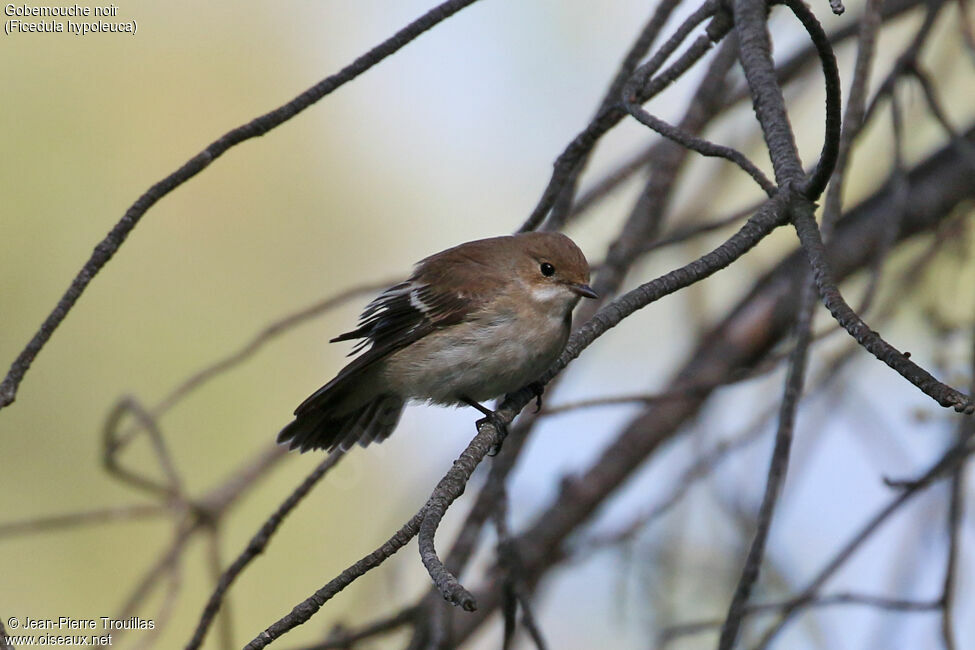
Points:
(492, 417)
(537, 388)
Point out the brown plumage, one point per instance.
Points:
(472, 323)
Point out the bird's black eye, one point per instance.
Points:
(547, 269)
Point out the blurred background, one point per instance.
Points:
(451, 139)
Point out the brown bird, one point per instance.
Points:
(472, 323)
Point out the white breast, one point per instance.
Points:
(481, 359)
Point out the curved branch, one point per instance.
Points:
(751, 330)
(831, 137)
(452, 485)
(812, 245)
(853, 120)
(701, 145)
(448, 489)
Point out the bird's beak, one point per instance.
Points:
(583, 290)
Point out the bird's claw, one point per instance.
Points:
(537, 388)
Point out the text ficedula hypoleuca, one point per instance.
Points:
(472, 323)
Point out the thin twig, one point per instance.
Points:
(167, 566)
(432, 630)
(934, 105)
(816, 183)
(951, 459)
(948, 589)
(956, 510)
(706, 463)
(563, 207)
(584, 142)
(813, 245)
(257, 127)
(778, 466)
(448, 489)
(747, 334)
(112, 445)
(700, 145)
(342, 639)
(756, 60)
(215, 565)
(853, 117)
(668, 159)
(682, 234)
(509, 561)
(256, 546)
(85, 517)
(267, 333)
(785, 72)
(164, 614)
(674, 632)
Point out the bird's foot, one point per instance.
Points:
(490, 417)
(538, 389)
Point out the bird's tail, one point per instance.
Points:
(319, 425)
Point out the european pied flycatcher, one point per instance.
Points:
(472, 323)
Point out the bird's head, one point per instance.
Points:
(552, 268)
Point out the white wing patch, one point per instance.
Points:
(417, 303)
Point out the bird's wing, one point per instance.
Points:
(403, 314)
(444, 289)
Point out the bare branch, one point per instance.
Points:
(562, 207)
(670, 634)
(509, 561)
(700, 145)
(950, 460)
(341, 639)
(778, 466)
(113, 444)
(85, 517)
(257, 545)
(956, 509)
(750, 331)
(448, 489)
(257, 127)
(756, 60)
(583, 143)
